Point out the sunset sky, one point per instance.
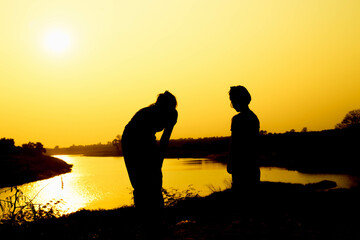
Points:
(76, 71)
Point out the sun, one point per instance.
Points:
(57, 41)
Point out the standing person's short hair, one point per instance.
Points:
(239, 94)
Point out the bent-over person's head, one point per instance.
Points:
(166, 103)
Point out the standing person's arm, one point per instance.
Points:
(164, 141)
(229, 166)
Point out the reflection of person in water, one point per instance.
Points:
(144, 157)
(244, 131)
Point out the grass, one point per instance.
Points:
(17, 209)
(173, 196)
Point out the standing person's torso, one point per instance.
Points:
(244, 132)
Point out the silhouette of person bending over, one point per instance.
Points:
(144, 157)
(245, 127)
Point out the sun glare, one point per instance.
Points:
(57, 41)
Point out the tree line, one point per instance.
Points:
(333, 150)
(218, 146)
(7, 147)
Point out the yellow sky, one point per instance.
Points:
(299, 59)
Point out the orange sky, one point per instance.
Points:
(74, 72)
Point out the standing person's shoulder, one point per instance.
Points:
(236, 117)
(254, 120)
(236, 122)
(253, 116)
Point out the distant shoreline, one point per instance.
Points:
(328, 151)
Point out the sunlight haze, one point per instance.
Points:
(75, 72)
(57, 41)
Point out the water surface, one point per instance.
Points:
(102, 182)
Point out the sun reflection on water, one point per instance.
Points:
(73, 190)
(60, 188)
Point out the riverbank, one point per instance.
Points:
(276, 211)
(20, 169)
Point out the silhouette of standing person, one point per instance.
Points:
(144, 157)
(245, 127)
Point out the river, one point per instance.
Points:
(102, 182)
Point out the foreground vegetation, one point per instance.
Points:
(17, 209)
(274, 211)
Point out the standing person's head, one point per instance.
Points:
(240, 98)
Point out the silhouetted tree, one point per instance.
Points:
(117, 143)
(33, 148)
(7, 146)
(351, 119)
(39, 148)
(263, 132)
(28, 148)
